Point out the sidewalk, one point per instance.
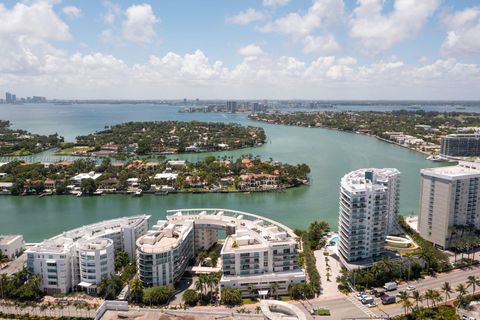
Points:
(329, 288)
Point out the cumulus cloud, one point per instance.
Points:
(32, 63)
(275, 3)
(463, 32)
(37, 20)
(377, 31)
(250, 50)
(72, 11)
(113, 11)
(245, 17)
(299, 27)
(323, 44)
(139, 24)
(25, 30)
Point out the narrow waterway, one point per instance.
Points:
(329, 153)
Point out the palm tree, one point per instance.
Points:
(417, 296)
(462, 291)
(473, 281)
(199, 285)
(436, 297)
(251, 288)
(3, 284)
(407, 305)
(447, 290)
(274, 289)
(428, 296)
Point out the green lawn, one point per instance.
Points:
(249, 301)
(69, 151)
(21, 152)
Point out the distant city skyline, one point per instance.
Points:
(252, 49)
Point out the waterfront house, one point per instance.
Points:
(77, 180)
(258, 181)
(132, 182)
(49, 183)
(64, 164)
(5, 187)
(166, 178)
(176, 163)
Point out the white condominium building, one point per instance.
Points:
(164, 252)
(11, 246)
(257, 250)
(79, 258)
(449, 202)
(369, 201)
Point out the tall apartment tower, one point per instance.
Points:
(369, 201)
(232, 106)
(449, 202)
(460, 145)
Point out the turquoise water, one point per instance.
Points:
(330, 154)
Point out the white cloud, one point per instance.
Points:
(322, 44)
(72, 11)
(275, 3)
(245, 17)
(377, 32)
(250, 50)
(32, 64)
(37, 20)
(139, 24)
(25, 30)
(463, 32)
(112, 13)
(299, 27)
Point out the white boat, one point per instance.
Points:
(79, 194)
(437, 158)
(138, 193)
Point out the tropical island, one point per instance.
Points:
(18, 142)
(165, 137)
(85, 177)
(418, 130)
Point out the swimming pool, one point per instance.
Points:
(333, 240)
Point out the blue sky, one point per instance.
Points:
(330, 49)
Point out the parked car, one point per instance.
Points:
(371, 305)
(389, 300)
(361, 297)
(367, 300)
(380, 294)
(411, 288)
(373, 292)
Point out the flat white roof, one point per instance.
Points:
(7, 239)
(463, 170)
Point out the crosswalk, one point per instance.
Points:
(361, 306)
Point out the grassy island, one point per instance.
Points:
(165, 137)
(17, 142)
(85, 177)
(415, 129)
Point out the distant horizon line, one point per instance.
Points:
(259, 100)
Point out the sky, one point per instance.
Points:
(241, 49)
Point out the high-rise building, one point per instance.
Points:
(257, 251)
(449, 202)
(8, 97)
(232, 106)
(460, 145)
(164, 252)
(78, 259)
(14, 98)
(369, 200)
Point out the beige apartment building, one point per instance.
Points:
(448, 202)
